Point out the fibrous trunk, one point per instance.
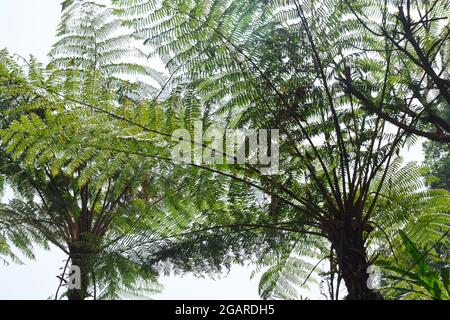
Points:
(81, 256)
(347, 241)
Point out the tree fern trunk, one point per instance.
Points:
(81, 256)
(347, 241)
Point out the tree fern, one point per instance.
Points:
(87, 197)
(311, 69)
(90, 36)
(336, 146)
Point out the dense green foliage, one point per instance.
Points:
(87, 142)
(81, 207)
(437, 157)
(420, 280)
(312, 70)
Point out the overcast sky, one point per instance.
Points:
(28, 27)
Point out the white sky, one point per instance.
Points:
(28, 27)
